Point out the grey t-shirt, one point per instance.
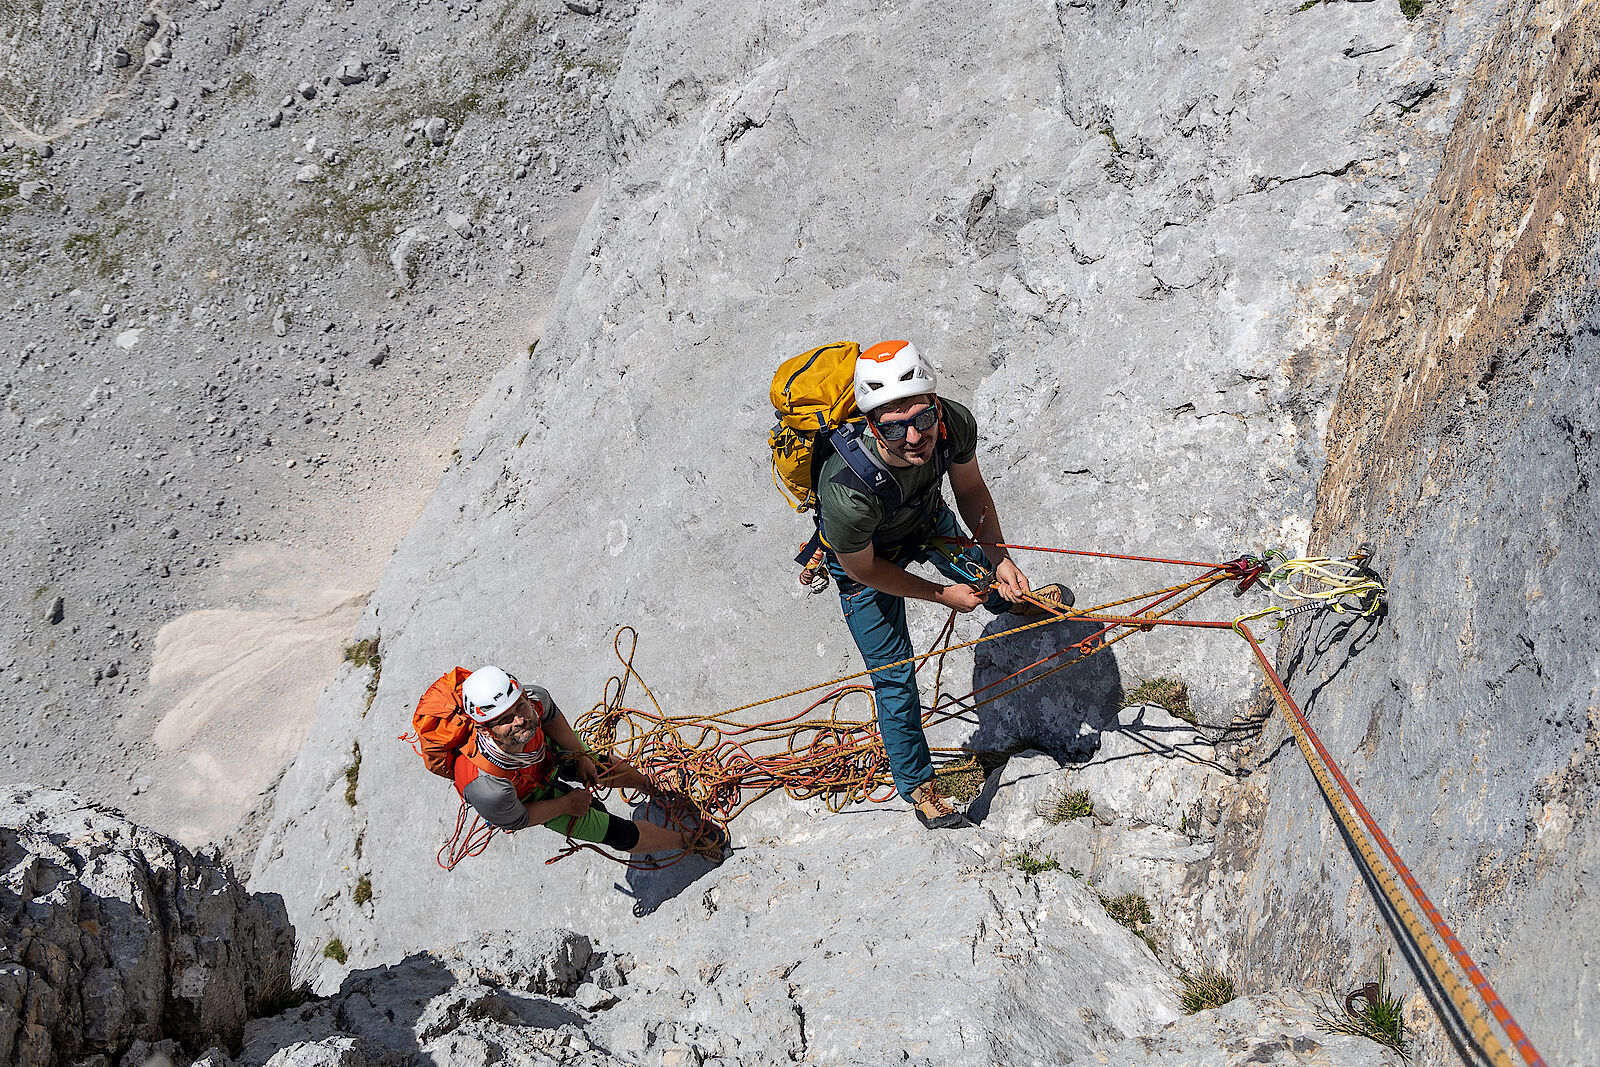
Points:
(495, 799)
(852, 520)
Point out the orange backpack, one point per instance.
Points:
(441, 724)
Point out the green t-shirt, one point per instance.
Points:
(851, 519)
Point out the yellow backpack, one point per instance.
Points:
(812, 393)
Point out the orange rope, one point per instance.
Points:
(1342, 798)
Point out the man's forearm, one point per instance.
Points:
(562, 733)
(896, 581)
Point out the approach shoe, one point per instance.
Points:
(710, 841)
(936, 811)
(1054, 593)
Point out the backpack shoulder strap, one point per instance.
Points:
(861, 473)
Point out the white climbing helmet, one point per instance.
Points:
(890, 371)
(489, 692)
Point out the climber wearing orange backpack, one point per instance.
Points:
(507, 746)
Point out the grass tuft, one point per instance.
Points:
(352, 775)
(363, 890)
(1371, 1011)
(1411, 8)
(1073, 804)
(963, 780)
(1169, 693)
(1133, 911)
(1031, 865)
(1130, 909)
(335, 950)
(279, 994)
(1208, 989)
(364, 653)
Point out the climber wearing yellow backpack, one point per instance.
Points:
(864, 439)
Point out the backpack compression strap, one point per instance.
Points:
(846, 441)
(865, 476)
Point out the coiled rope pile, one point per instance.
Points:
(723, 763)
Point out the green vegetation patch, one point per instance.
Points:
(1371, 1011)
(1130, 909)
(1133, 911)
(1208, 989)
(363, 890)
(364, 654)
(335, 950)
(963, 781)
(100, 250)
(1169, 693)
(1411, 8)
(1073, 804)
(1032, 865)
(280, 994)
(352, 775)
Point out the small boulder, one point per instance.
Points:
(591, 997)
(403, 257)
(352, 71)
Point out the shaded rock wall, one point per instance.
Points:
(111, 934)
(1462, 445)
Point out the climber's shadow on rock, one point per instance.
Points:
(1062, 712)
(652, 886)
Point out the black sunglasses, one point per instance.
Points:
(895, 429)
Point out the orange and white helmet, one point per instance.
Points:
(890, 371)
(489, 692)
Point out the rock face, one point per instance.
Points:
(114, 935)
(1266, 1028)
(779, 183)
(827, 939)
(1463, 447)
(123, 947)
(548, 997)
(1137, 247)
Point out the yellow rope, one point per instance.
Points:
(1421, 934)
